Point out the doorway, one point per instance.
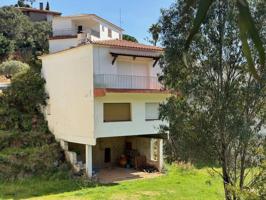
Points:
(107, 155)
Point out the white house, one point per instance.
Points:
(104, 94)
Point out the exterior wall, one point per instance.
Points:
(102, 62)
(104, 33)
(138, 125)
(61, 44)
(62, 24)
(69, 83)
(36, 17)
(67, 24)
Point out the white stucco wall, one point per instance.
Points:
(61, 44)
(69, 83)
(102, 62)
(60, 23)
(138, 125)
(104, 33)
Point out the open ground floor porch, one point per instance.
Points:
(118, 158)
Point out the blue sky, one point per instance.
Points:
(137, 15)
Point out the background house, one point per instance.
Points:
(39, 14)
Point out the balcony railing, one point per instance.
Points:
(126, 82)
(60, 32)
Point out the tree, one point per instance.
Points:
(23, 40)
(155, 30)
(222, 108)
(20, 38)
(6, 48)
(246, 25)
(21, 103)
(129, 38)
(12, 68)
(24, 3)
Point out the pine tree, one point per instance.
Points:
(47, 6)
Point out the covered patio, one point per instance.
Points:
(117, 174)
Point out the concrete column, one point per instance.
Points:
(64, 145)
(89, 160)
(160, 154)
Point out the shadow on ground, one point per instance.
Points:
(37, 187)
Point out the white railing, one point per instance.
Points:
(126, 82)
(62, 32)
(4, 85)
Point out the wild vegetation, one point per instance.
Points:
(27, 148)
(219, 109)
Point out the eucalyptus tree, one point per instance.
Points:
(219, 109)
(246, 24)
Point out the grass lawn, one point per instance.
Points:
(177, 184)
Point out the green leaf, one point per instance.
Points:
(246, 48)
(248, 29)
(184, 57)
(203, 8)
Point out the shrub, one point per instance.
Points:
(13, 67)
(20, 104)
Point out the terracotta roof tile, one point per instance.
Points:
(127, 45)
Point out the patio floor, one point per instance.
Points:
(114, 175)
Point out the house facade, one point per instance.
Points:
(38, 15)
(104, 95)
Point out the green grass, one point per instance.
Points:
(177, 184)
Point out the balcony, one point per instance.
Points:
(126, 82)
(62, 32)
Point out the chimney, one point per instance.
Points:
(41, 5)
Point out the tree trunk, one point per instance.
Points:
(226, 177)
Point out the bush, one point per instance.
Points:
(29, 154)
(20, 104)
(13, 67)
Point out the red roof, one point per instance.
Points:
(24, 9)
(127, 45)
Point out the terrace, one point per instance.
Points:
(126, 82)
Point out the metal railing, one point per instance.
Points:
(60, 32)
(126, 82)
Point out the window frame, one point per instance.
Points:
(157, 119)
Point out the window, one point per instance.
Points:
(109, 33)
(103, 29)
(117, 112)
(152, 111)
(154, 149)
(80, 29)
